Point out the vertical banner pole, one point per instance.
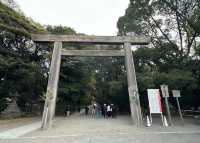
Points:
(151, 118)
(162, 119)
(165, 94)
(179, 110)
(168, 110)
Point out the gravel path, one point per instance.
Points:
(15, 123)
(14, 128)
(76, 129)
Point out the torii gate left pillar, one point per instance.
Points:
(50, 102)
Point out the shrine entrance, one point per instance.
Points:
(58, 52)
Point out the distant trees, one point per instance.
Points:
(63, 30)
(112, 82)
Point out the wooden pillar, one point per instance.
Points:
(132, 86)
(50, 102)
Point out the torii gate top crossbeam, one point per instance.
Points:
(115, 40)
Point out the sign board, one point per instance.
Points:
(154, 101)
(176, 93)
(165, 90)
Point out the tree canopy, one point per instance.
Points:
(173, 56)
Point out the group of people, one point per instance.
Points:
(105, 110)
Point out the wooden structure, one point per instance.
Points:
(126, 41)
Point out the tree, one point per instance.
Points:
(63, 30)
(21, 68)
(174, 22)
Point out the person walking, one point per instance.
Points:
(94, 110)
(104, 110)
(112, 110)
(86, 110)
(109, 111)
(98, 111)
(67, 111)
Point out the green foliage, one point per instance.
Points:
(63, 30)
(17, 23)
(24, 69)
(25, 78)
(133, 21)
(195, 20)
(173, 56)
(174, 22)
(111, 84)
(156, 66)
(21, 65)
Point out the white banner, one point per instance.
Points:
(154, 101)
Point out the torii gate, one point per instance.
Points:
(126, 41)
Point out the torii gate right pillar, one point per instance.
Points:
(132, 86)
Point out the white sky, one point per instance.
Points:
(92, 17)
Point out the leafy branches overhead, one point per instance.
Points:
(173, 56)
(164, 21)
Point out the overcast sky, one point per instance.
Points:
(92, 17)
